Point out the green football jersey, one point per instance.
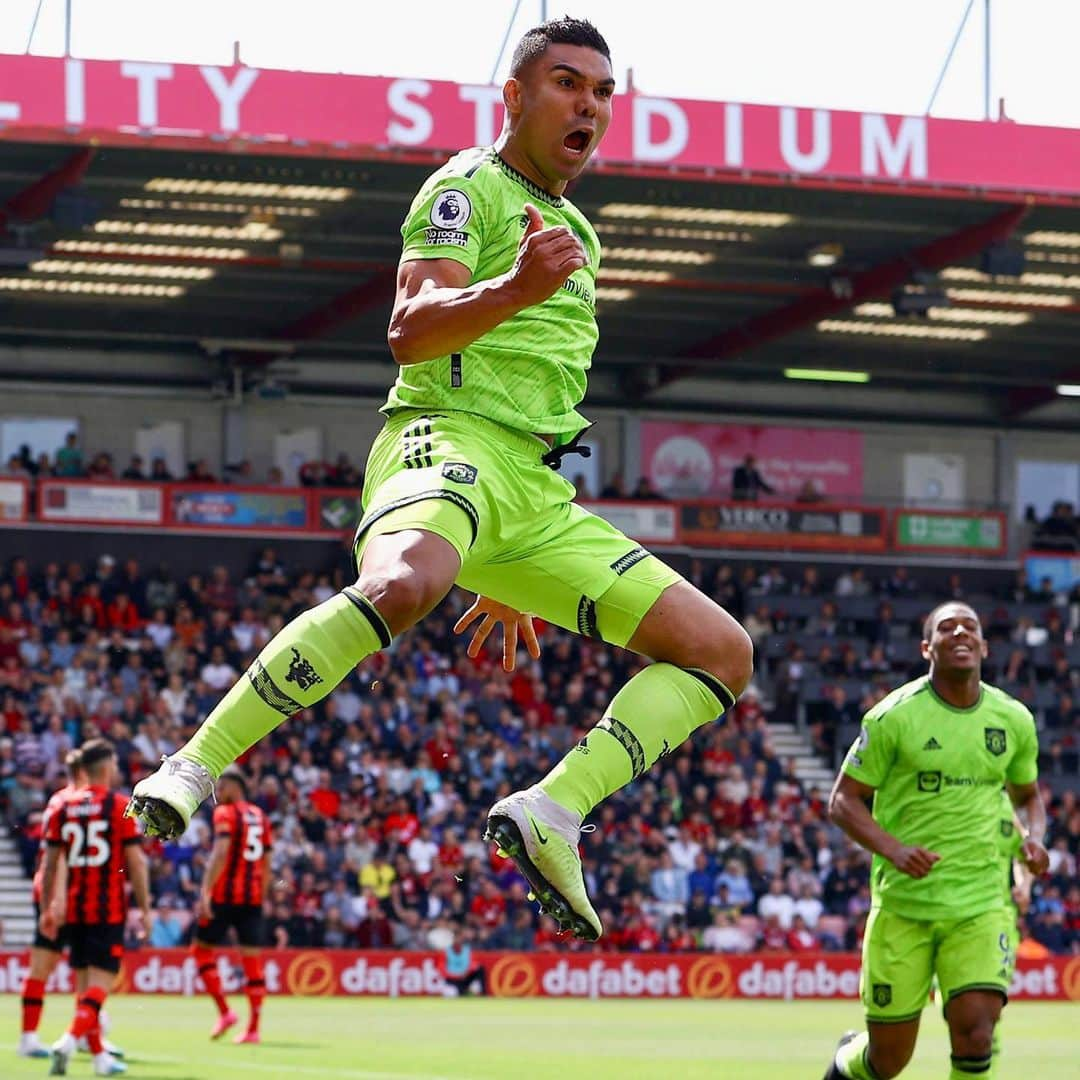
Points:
(1010, 841)
(938, 772)
(529, 372)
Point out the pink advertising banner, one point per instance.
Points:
(688, 460)
(302, 113)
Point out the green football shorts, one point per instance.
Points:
(901, 956)
(484, 489)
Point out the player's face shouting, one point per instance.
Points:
(956, 641)
(564, 108)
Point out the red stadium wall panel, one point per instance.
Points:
(124, 102)
(349, 973)
(684, 460)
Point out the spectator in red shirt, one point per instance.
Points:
(440, 748)
(121, 615)
(488, 905)
(451, 854)
(402, 825)
(772, 937)
(800, 937)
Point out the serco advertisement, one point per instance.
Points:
(349, 973)
(123, 101)
(791, 528)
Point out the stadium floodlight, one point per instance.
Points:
(703, 215)
(164, 251)
(952, 315)
(1053, 238)
(201, 206)
(625, 273)
(251, 230)
(825, 254)
(1042, 278)
(901, 330)
(674, 232)
(658, 255)
(826, 375)
(1003, 296)
(1059, 258)
(95, 268)
(178, 185)
(617, 294)
(1069, 390)
(90, 288)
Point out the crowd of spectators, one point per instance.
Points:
(378, 795)
(70, 462)
(1059, 530)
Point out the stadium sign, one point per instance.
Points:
(792, 528)
(292, 112)
(950, 533)
(13, 500)
(585, 975)
(86, 502)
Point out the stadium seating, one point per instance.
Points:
(378, 795)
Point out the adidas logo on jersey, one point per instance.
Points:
(932, 744)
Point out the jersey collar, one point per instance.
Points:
(534, 190)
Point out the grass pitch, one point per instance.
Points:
(166, 1038)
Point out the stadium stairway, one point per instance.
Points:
(16, 897)
(789, 742)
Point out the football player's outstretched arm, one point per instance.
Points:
(439, 310)
(849, 810)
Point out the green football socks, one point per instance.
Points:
(298, 668)
(851, 1058)
(654, 713)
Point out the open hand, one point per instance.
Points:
(491, 613)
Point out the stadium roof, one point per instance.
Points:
(283, 266)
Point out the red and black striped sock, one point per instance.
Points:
(208, 972)
(33, 1001)
(256, 988)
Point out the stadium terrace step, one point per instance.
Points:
(16, 896)
(810, 768)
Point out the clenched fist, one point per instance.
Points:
(545, 259)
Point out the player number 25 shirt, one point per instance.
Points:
(91, 828)
(529, 372)
(938, 772)
(248, 830)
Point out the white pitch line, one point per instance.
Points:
(257, 1066)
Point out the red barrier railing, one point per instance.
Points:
(335, 512)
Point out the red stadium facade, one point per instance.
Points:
(308, 113)
(350, 973)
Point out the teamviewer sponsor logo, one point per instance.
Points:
(930, 782)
